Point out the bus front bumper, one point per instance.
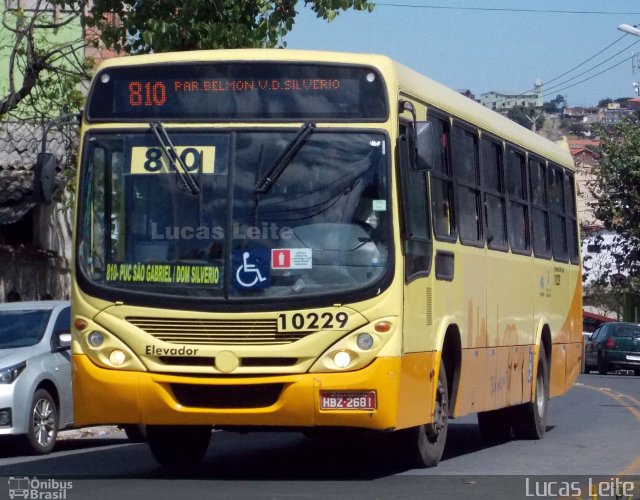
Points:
(103, 396)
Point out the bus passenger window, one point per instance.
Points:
(465, 165)
(494, 200)
(572, 223)
(558, 224)
(541, 243)
(441, 181)
(518, 204)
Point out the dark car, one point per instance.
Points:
(614, 346)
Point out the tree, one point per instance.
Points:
(580, 128)
(603, 103)
(530, 118)
(555, 105)
(616, 192)
(38, 64)
(193, 24)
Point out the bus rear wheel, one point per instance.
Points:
(178, 445)
(529, 420)
(423, 445)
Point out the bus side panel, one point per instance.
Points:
(509, 299)
(557, 385)
(475, 390)
(417, 389)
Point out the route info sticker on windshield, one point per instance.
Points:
(291, 258)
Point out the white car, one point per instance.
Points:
(35, 372)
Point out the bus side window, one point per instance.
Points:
(572, 222)
(494, 198)
(558, 225)
(539, 210)
(466, 170)
(518, 205)
(442, 182)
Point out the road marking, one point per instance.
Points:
(7, 461)
(633, 467)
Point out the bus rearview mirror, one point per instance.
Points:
(45, 177)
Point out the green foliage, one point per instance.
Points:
(44, 71)
(607, 299)
(616, 191)
(179, 25)
(579, 128)
(555, 105)
(603, 103)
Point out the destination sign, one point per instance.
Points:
(238, 91)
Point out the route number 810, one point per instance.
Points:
(191, 157)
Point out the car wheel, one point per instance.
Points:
(636, 372)
(603, 367)
(136, 433)
(423, 445)
(43, 424)
(178, 445)
(530, 419)
(495, 425)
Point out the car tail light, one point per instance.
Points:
(610, 344)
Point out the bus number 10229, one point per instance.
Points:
(147, 94)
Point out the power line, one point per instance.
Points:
(504, 9)
(587, 60)
(576, 67)
(591, 77)
(593, 67)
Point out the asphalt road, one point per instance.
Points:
(593, 435)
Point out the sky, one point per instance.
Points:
(493, 49)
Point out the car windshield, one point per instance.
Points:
(323, 224)
(22, 328)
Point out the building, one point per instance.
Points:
(500, 101)
(585, 155)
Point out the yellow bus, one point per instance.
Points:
(313, 240)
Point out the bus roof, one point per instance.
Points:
(396, 75)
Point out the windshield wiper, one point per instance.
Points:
(172, 155)
(278, 166)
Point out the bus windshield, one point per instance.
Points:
(322, 226)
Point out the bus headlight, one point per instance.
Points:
(95, 339)
(105, 349)
(356, 349)
(342, 359)
(365, 341)
(117, 357)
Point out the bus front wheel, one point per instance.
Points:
(423, 445)
(530, 419)
(178, 445)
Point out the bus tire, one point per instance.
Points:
(178, 445)
(603, 367)
(136, 433)
(423, 445)
(529, 420)
(495, 425)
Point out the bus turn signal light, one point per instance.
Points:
(80, 324)
(382, 326)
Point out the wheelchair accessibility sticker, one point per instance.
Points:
(251, 268)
